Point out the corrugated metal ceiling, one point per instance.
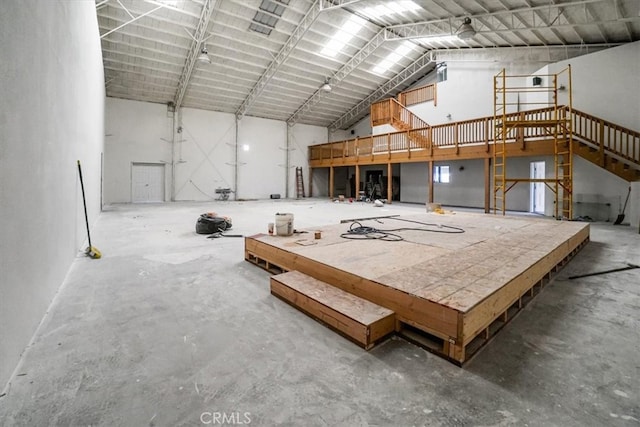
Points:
(266, 60)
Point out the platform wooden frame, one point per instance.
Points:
(453, 334)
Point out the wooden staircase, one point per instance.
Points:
(391, 111)
(608, 145)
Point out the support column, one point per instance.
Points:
(487, 185)
(331, 178)
(235, 164)
(389, 179)
(357, 182)
(430, 186)
(310, 182)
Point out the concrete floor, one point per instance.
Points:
(170, 328)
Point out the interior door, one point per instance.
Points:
(537, 188)
(147, 182)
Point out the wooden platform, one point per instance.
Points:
(358, 319)
(449, 292)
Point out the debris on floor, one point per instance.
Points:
(211, 222)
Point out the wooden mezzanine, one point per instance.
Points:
(601, 142)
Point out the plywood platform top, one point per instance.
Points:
(455, 270)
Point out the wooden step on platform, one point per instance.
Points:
(358, 319)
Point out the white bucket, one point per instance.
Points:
(284, 224)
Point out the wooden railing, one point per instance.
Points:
(419, 95)
(391, 112)
(606, 136)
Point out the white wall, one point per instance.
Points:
(593, 187)
(606, 84)
(135, 132)
(362, 128)
(382, 129)
(321, 182)
(414, 182)
(204, 151)
(205, 154)
(466, 186)
(262, 168)
(52, 115)
(468, 91)
(301, 137)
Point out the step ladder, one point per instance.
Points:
(299, 183)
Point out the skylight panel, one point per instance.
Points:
(390, 8)
(342, 36)
(393, 58)
(407, 5)
(263, 22)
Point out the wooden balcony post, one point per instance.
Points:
(389, 179)
(357, 190)
(520, 133)
(455, 138)
(486, 134)
(356, 149)
(331, 178)
(487, 185)
(430, 142)
(388, 145)
(430, 184)
(601, 142)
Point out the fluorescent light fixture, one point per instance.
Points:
(173, 3)
(342, 37)
(245, 147)
(394, 57)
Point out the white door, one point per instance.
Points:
(147, 182)
(537, 188)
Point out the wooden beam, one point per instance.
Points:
(430, 182)
(389, 179)
(331, 183)
(357, 182)
(487, 185)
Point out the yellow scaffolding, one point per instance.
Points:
(512, 126)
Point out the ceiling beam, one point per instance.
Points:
(130, 21)
(444, 26)
(343, 72)
(194, 51)
(281, 57)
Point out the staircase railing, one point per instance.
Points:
(606, 136)
(419, 95)
(390, 112)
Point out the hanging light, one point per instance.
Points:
(204, 56)
(326, 86)
(466, 30)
